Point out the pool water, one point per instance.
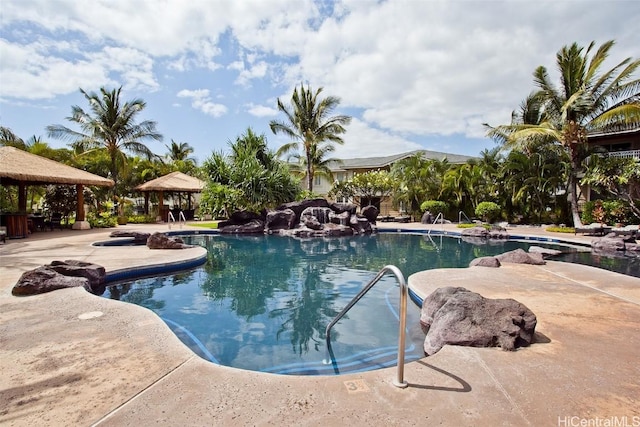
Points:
(263, 302)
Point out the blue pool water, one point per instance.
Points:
(263, 302)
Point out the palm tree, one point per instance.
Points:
(179, 151)
(308, 122)
(587, 100)
(110, 126)
(10, 139)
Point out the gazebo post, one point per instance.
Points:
(80, 223)
(161, 206)
(146, 203)
(22, 197)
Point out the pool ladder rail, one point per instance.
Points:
(181, 219)
(435, 221)
(404, 292)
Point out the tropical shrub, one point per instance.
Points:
(488, 211)
(251, 178)
(555, 229)
(141, 219)
(101, 219)
(434, 206)
(607, 212)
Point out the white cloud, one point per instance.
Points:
(29, 72)
(261, 110)
(200, 100)
(362, 140)
(408, 70)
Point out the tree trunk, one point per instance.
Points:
(309, 173)
(572, 193)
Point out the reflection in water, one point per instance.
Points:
(263, 302)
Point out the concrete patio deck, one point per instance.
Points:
(72, 358)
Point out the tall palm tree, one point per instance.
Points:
(310, 124)
(587, 100)
(110, 126)
(10, 139)
(179, 151)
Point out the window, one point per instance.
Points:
(317, 180)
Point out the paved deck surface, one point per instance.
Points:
(71, 358)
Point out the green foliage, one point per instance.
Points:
(554, 229)
(472, 225)
(101, 220)
(364, 186)
(489, 211)
(587, 212)
(141, 219)
(307, 195)
(210, 225)
(251, 178)
(416, 179)
(434, 206)
(618, 177)
(607, 212)
(63, 199)
(8, 199)
(220, 200)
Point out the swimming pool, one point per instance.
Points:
(263, 302)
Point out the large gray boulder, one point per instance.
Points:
(360, 224)
(477, 231)
(485, 261)
(299, 207)
(280, 220)
(60, 275)
(371, 213)
(138, 237)
(519, 256)
(457, 316)
(95, 274)
(44, 279)
(161, 241)
(496, 232)
(241, 218)
(341, 218)
(255, 226)
(344, 207)
(609, 243)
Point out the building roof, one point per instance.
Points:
(21, 166)
(175, 181)
(386, 161)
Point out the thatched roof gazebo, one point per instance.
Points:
(175, 182)
(21, 168)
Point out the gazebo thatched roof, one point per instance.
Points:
(20, 166)
(175, 181)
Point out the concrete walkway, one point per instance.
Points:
(72, 358)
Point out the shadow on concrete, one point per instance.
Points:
(465, 387)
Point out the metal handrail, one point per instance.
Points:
(171, 218)
(404, 292)
(440, 216)
(460, 214)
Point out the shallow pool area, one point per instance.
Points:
(263, 302)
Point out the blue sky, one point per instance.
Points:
(412, 73)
